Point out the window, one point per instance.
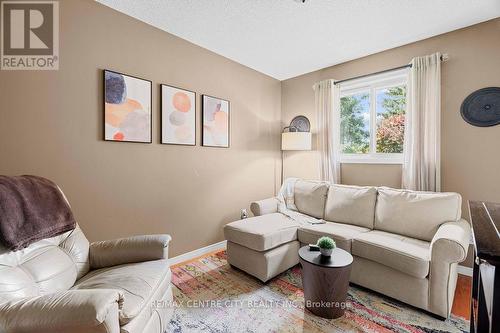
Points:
(372, 116)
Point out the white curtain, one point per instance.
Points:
(422, 143)
(327, 104)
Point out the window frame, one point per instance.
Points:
(371, 85)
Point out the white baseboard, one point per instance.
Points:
(197, 253)
(464, 270)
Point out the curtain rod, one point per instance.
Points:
(443, 57)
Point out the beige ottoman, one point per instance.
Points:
(263, 246)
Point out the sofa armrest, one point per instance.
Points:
(128, 250)
(266, 206)
(451, 242)
(448, 247)
(68, 311)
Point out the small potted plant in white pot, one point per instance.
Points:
(326, 246)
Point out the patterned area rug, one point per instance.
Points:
(210, 296)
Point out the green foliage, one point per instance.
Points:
(395, 101)
(326, 243)
(353, 136)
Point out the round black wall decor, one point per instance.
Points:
(482, 107)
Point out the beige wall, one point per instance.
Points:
(470, 155)
(51, 125)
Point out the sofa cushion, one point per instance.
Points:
(407, 255)
(138, 283)
(351, 205)
(310, 197)
(262, 233)
(415, 214)
(341, 233)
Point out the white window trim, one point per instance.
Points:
(376, 158)
(371, 84)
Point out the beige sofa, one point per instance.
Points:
(65, 284)
(405, 244)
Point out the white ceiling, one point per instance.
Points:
(286, 38)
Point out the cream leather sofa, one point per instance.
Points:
(65, 284)
(405, 244)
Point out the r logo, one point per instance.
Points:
(30, 28)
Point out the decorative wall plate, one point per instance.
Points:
(301, 123)
(482, 107)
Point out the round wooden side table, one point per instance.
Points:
(325, 281)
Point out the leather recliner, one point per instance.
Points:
(65, 284)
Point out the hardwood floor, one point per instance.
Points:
(461, 304)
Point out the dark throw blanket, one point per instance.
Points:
(31, 208)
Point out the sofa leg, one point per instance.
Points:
(435, 316)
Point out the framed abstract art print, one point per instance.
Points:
(178, 116)
(127, 108)
(215, 124)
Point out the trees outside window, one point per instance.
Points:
(354, 124)
(372, 120)
(391, 120)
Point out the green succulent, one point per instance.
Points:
(326, 243)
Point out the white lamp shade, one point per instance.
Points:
(296, 141)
